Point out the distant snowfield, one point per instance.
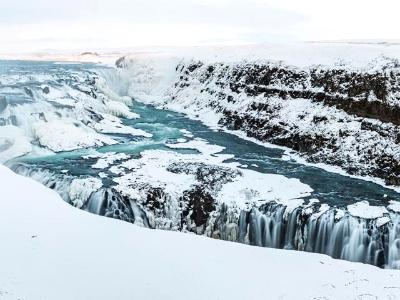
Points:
(50, 250)
(357, 53)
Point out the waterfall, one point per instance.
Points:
(105, 201)
(349, 238)
(394, 244)
(327, 231)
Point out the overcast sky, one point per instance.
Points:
(39, 24)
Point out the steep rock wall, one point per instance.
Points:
(333, 115)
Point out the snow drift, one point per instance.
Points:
(51, 250)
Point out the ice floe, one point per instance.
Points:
(364, 210)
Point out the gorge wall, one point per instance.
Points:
(332, 115)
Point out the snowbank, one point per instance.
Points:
(51, 250)
(364, 210)
(13, 143)
(61, 136)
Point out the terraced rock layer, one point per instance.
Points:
(332, 115)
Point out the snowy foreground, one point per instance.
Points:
(51, 250)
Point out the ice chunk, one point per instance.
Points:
(81, 189)
(364, 210)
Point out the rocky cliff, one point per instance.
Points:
(334, 115)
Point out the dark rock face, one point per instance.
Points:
(28, 91)
(46, 90)
(154, 199)
(334, 115)
(200, 204)
(115, 206)
(121, 62)
(211, 177)
(89, 53)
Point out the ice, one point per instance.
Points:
(81, 189)
(107, 159)
(186, 133)
(364, 210)
(394, 206)
(254, 187)
(119, 109)
(58, 136)
(382, 221)
(198, 144)
(63, 109)
(114, 125)
(151, 169)
(245, 189)
(13, 143)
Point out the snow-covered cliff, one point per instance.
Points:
(330, 107)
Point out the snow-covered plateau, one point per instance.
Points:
(51, 250)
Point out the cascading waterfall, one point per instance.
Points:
(105, 201)
(332, 232)
(58, 182)
(394, 244)
(348, 237)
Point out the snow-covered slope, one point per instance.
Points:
(51, 250)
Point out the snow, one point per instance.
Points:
(247, 187)
(80, 108)
(300, 54)
(58, 136)
(186, 133)
(340, 213)
(51, 250)
(254, 187)
(382, 221)
(81, 189)
(114, 125)
(394, 206)
(119, 109)
(151, 169)
(13, 143)
(198, 144)
(62, 57)
(153, 75)
(362, 209)
(102, 175)
(106, 159)
(322, 210)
